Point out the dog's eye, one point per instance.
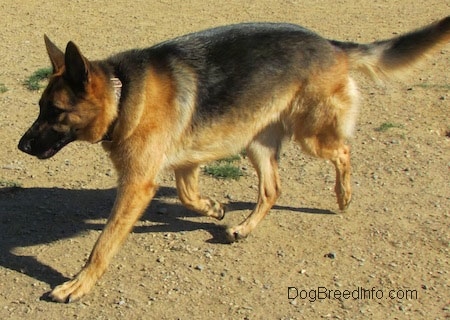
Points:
(52, 114)
(55, 111)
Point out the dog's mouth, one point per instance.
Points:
(44, 147)
(55, 148)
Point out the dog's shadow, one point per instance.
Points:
(39, 216)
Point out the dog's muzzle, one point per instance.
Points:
(44, 144)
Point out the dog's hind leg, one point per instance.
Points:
(339, 154)
(187, 188)
(263, 152)
(323, 129)
(343, 187)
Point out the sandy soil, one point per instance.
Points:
(393, 242)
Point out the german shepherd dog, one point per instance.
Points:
(205, 96)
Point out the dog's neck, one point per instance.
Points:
(117, 85)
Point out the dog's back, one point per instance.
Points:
(259, 73)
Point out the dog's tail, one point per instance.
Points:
(394, 56)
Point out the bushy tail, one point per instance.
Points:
(394, 56)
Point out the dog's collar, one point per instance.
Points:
(117, 85)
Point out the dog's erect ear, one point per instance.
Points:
(77, 66)
(55, 54)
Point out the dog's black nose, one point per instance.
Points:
(25, 145)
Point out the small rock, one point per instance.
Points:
(208, 255)
(160, 260)
(280, 254)
(330, 255)
(199, 267)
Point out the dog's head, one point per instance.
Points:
(75, 105)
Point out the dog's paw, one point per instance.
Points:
(217, 210)
(344, 201)
(343, 195)
(236, 233)
(72, 290)
(344, 204)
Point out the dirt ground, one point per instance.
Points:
(387, 257)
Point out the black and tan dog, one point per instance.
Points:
(205, 96)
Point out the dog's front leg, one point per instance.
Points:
(132, 199)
